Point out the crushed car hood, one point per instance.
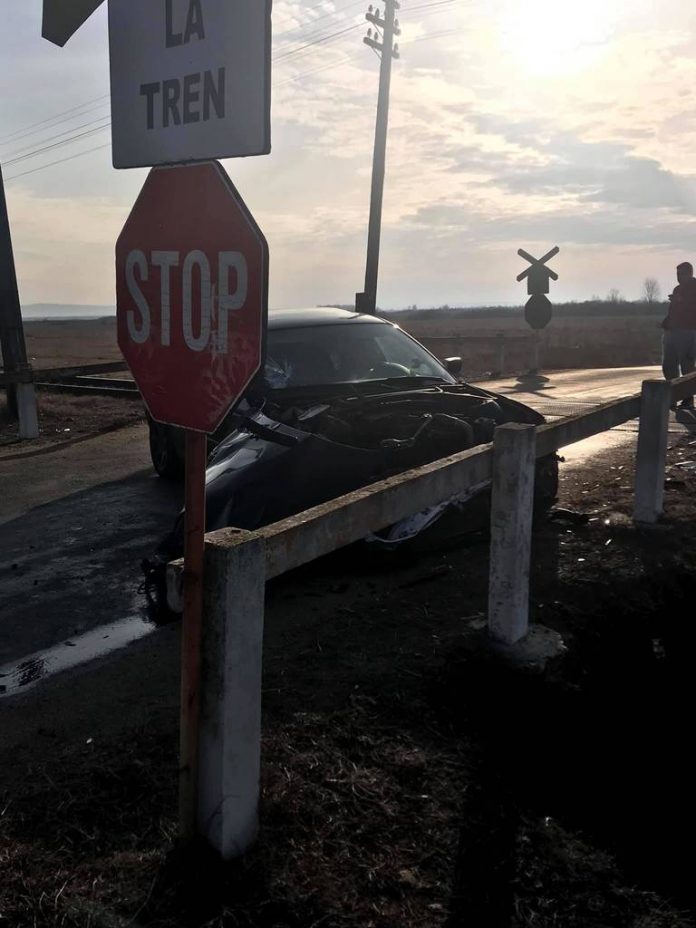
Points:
(306, 447)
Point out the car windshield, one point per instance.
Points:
(357, 352)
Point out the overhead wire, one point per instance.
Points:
(38, 126)
(321, 41)
(41, 167)
(24, 154)
(312, 22)
(310, 37)
(429, 6)
(316, 19)
(41, 151)
(329, 38)
(430, 35)
(32, 147)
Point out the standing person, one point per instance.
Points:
(679, 338)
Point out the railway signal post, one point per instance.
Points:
(538, 309)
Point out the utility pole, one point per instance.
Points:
(21, 399)
(383, 43)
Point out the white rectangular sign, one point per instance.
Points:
(190, 80)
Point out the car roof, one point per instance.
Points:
(318, 315)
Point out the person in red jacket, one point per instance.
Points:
(679, 338)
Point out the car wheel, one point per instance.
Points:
(164, 452)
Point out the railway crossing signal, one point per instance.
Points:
(62, 18)
(537, 311)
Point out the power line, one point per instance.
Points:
(303, 74)
(347, 60)
(337, 13)
(31, 126)
(318, 39)
(326, 38)
(428, 6)
(310, 37)
(51, 144)
(96, 102)
(431, 35)
(78, 154)
(56, 123)
(74, 138)
(23, 154)
(52, 138)
(339, 9)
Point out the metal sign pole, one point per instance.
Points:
(194, 528)
(21, 399)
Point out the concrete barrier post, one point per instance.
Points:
(652, 450)
(512, 506)
(26, 411)
(230, 729)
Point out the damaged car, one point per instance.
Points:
(344, 400)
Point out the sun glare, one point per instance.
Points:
(556, 37)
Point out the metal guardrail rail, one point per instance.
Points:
(57, 374)
(238, 564)
(80, 379)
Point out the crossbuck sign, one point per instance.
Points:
(190, 80)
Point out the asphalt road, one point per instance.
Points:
(75, 523)
(568, 393)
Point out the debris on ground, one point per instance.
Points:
(66, 417)
(571, 516)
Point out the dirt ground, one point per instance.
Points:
(64, 417)
(408, 777)
(66, 343)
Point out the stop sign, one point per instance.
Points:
(191, 295)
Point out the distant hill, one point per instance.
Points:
(585, 308)
(66, 311)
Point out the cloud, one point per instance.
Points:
(594, 172)
(484, 155)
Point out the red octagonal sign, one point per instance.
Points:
(191, 292)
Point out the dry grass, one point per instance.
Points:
(63, 416)
(362, 822)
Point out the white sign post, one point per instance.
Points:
(190, 80)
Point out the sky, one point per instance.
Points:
(511, 125)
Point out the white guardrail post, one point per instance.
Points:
(512, 510)
(27, 412)
(652, 450)
(230, 724)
